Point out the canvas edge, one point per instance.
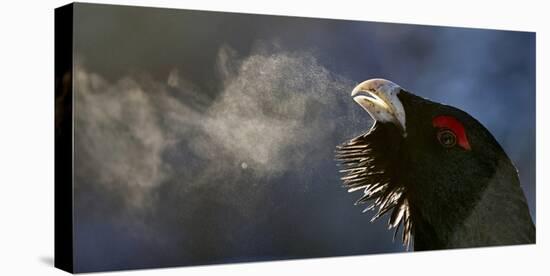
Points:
(63, 191)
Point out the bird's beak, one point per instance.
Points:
(379, 98)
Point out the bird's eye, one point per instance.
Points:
(450, 132)
(446, 138)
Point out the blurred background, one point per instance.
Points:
(206, 137)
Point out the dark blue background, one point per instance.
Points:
(303, 211)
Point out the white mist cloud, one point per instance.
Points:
(264, 105)
(271, 108)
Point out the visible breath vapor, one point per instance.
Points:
(270, 105)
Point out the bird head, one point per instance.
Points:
(425, 164)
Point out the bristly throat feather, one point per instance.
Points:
(368, 162)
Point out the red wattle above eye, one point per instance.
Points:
(455, 126)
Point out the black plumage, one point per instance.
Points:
(443, 191)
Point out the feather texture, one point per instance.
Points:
(366, 165)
